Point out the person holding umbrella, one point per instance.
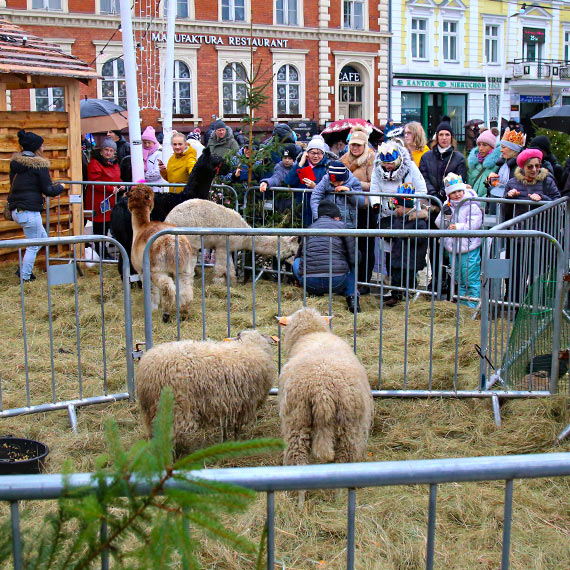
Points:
(29, 183)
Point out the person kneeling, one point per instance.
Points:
(326, 255)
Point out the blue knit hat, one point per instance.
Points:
(338, 172)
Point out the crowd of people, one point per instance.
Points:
(420, 176)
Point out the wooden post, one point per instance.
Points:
(3, 102)
(74, 150)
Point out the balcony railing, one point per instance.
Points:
(553, 69)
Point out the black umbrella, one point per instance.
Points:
(554, 118)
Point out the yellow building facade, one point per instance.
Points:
(480, 59)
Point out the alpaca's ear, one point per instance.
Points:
(283, 321)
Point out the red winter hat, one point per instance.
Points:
(527, 154)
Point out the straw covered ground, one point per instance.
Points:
(391, 522)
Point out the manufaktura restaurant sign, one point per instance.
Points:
(220, 40)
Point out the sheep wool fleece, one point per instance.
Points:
(325, 401)
(214, 383)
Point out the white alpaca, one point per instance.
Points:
(206, 214)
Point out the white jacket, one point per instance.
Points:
(469, 217)
(152, 173)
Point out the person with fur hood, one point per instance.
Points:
(482, 161)
(467, 250)
(30, 182)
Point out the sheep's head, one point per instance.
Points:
(300, 323)
(289, 247)
(139, 196)
(253, 336)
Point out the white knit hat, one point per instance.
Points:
(317, 144)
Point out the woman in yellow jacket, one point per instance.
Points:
(180, 164)
(415, 141)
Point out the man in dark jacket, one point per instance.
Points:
(324, 257)
(549, 161)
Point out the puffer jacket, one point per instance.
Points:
(479, 171)
(545, 187)
(361, 166)
(347, 202)
(435, 166)
(318, 255)
(30, 181)
(413, 220)
(384, 181)
(469, 217)
(221, 147)
(277, 179)
(99, 170)
(292, 178)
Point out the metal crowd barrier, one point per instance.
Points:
(350, 476)
(75, 379)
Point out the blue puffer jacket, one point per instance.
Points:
(347, 202)
(292, 179)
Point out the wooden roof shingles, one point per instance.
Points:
(25, 53)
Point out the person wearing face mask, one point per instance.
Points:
(482, 161)
(435, 165)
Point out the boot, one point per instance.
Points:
(353, 303)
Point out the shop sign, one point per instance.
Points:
(533, 35)
(349, 75)
(220, 40)
(535, 98)
(304, 129)
(441, 84)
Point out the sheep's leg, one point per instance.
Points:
(350, 444)
(154, 296)
(167, 291)
(221, 267)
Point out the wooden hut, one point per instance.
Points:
(29, 62)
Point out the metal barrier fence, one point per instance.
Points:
(351, 476)
(84, 371)
(437, 374)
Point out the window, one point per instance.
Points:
(46, 5)
(449, 41)
(566, 46)
(234, 89)
(182, 104)
(113, 87)
(181, 8)
(286, 12)
(492, 43)
(50, 99)
(233, 10)
(288, 91)
(110, 7)
(354, 14)
(419, 38)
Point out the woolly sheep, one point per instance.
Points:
(214, 383)
(325, 401)
(205, 214)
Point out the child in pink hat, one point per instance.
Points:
(151, 157)
(482, 161)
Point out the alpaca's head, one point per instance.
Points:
(140, 196)
(300, 323)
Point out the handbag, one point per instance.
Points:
(7, 210)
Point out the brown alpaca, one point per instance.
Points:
(162, 255)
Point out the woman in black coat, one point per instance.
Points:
(30, 182)
(435, 165)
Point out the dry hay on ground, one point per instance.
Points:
(390, 521)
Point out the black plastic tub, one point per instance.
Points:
(19, 456)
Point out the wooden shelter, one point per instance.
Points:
(29, 62)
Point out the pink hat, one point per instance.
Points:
(487, 137)
(149, 135)
(527, 154)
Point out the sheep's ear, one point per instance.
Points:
(327, 318)
(230, 339)
(275, 338)
(283, 321)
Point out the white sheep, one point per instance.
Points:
(325, 401)
(214, 383)
(205, 214)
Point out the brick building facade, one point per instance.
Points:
(328, 58)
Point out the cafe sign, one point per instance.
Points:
(443, 84)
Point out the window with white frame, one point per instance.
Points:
(288, 91)
(110, 6)
(49, 99)
(181, 8)
(491, 43)
(113, 86)
(567, 46)
(233, 10)
(449, 41)
(234, 89)
(286, 12)
(353, 12)
(182, 103)
(47, 5)
(419, 38)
